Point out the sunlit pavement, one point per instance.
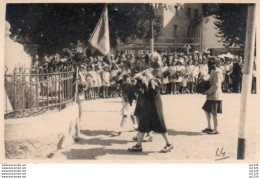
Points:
(184, 118)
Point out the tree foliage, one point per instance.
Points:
(231, 23)
(59, 24)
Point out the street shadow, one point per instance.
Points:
(93, 153)
(96, 132)
(98, 111)
(113, 101)
(100, 141)
(174, 132)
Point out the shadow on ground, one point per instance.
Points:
(113, 101)
(100, 141)
(96, 132)
(98, 111)
(110, 133)
(93, 153)
(174, 133)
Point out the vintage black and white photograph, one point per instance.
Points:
(130, 82)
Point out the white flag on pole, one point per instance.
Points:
(100, 37)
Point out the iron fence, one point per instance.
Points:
(29, 92)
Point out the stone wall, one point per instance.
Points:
(38, 137)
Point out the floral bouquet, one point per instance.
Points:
(202, 86)
(147, 79)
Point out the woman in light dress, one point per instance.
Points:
(172, 76)
(106, 81)
(179, 76)
(165, 81)
(227, 80)
(190, 79)
(204, 70)
(195, 76)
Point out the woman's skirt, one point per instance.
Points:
(172, 79)
(138, 108)
(99, 82)
(184, 82)
(151, 114)
(165, 80)
(180, 79)
(213, 106)
(105, 83)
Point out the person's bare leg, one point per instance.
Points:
(104, 92)
(168, 146)
(215, 121)
(208, 119)
(192, 87)
(123, 121)
(140, 138)
(165, 136)
(122, 124)
(137, 121)
(189, 87)
(133, 119)
(138, 146)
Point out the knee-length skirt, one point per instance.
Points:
(150, 113)
(213, 106)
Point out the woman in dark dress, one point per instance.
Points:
(150, 109)
(140, 103)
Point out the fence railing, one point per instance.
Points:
(29, 92)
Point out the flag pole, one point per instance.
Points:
(152, 29)
(247, 79)
(109, 53)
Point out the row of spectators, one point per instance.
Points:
(181, 72)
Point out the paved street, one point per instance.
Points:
(184, 118)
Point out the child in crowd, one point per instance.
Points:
(190, 68)
(89, 80)
(184, 86)
(222, 67)
(128, 96)
(95, 82)
(99, 81)
(82, 81)
(178, 76)
(113, 74)
(228, 70)
(183, 77)
(172, 73)
(204, 70)
(165, 78)
(195, 75)
(106, 81)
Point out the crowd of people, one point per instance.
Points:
(145, 78)
(181, 72)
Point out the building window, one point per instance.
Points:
(175, 31)
(189, 32)
(188, 12)
(176, 10)
(196, 14)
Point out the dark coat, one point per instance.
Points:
(150, 109)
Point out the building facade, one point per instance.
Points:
(211, 42)
(181, 29)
